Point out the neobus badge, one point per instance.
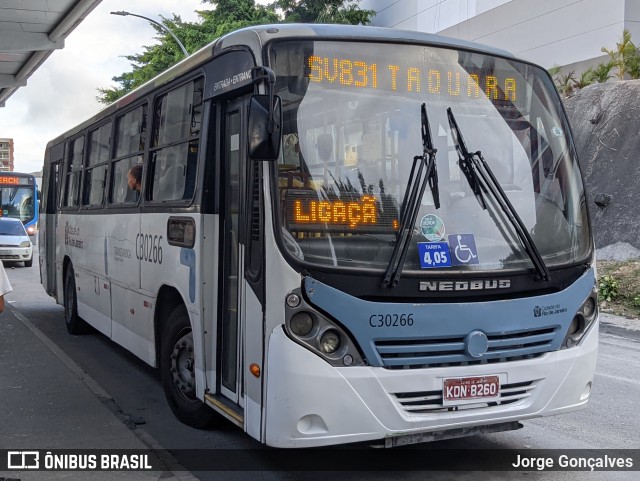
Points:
(476, 285)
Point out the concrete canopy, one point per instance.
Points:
(30, 30)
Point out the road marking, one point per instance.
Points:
(619, 378)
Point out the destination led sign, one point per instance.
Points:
(356, 73)
(305, 212)
(11, 180)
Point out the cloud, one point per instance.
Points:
(62, 92)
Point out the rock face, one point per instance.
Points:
(605, 120)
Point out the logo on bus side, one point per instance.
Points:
(71, 235)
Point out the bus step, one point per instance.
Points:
(226, 408)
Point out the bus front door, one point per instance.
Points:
(231, 333)
(47, 234)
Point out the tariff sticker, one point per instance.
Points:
(434, 254)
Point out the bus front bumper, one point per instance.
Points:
(310, 403)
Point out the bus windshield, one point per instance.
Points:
(351, 131)
(18, 202)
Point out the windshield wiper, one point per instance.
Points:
(481, 179)
(423, 172)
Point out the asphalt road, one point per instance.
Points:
(611, 420)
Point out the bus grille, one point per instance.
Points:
(431, 401)
(426, 352)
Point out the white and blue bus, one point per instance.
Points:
(19, 199)
(333, 234)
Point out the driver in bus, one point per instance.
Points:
(134, 179)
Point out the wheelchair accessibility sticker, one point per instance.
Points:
(463, 249)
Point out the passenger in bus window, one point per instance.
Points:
(134, 178)
(5, 286)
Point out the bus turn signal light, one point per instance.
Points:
(255, 369)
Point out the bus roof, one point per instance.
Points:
(259, 35)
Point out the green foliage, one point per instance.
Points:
(624, 60)
(228, 15)
(586, 78)
(324, 11)
(608, 288)
(625, 56)
(555, 70)
(602, 72)
(565, 83)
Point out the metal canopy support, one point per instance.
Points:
(11, 41)
(30, 31)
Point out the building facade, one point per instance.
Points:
(568, 33)
(6, 155)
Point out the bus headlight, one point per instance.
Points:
(31, 230)
(301, 324)
(321, 335)
(582, 321)
(329, 342)
(589, 307)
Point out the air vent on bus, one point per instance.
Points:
(255, 203)
(438, 352)
(431, 401)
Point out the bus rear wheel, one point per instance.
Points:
(177, 371)
(75, 324)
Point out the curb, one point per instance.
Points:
(106, 399)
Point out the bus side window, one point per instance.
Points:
(175, 143)
(121, 193)
(96, 172)
(130, 141)
(74, 171)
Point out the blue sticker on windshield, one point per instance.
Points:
(463, 249)
(434, 254)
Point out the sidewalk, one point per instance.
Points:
(620, 326)
(48, 402)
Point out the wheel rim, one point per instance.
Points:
(182, 365)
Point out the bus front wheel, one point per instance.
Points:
(75, 324)
(177, 367)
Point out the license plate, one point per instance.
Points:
(465, 390)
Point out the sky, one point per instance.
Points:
(62, 92)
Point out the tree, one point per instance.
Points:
(324, 11)
(624, 55)
(227, 16)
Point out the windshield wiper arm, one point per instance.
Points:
(482, 179)
(423, 172)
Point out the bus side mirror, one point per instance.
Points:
(265, 128)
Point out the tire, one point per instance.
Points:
(75, 325)
(29, 263)
(177, 371)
